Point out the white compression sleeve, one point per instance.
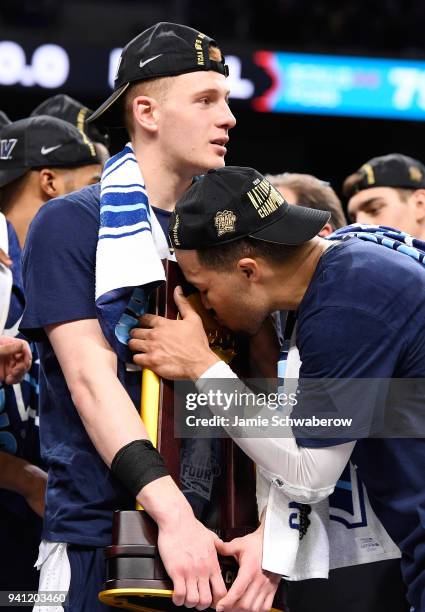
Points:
(307, 475)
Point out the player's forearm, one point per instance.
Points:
(15, 473)
(308, 475)
(108, 414)
(112, 421)
(165, 503)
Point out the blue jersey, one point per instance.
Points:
(363, 316)
(19, 426)
(59, 279)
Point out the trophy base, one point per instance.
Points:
(120, 594)
(143, 599)
(135, 576)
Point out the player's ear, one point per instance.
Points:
(145, 113)
(249, 268)
(50, 182)
(326, 230)
(419, 199)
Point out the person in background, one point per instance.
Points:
(388, 190)
(64, 107)
(311, 192)
(41, 157)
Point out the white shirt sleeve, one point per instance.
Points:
(307, 475)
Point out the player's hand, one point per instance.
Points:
(173, 349)
(254, 588)
(190, 558)
(15, 359)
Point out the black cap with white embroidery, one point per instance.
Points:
(165, 49)
(42, 142)
(235, 202)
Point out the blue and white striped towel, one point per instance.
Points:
(386, 236)
(130, 247)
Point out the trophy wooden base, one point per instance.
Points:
(135, 554)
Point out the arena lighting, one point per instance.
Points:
(264, 81)
(342, 85)
(48, 68)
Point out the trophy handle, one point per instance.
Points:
(149, 407)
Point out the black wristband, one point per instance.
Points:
(137, 464)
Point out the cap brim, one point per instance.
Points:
(108, 113)
(11, 174)
(299, 224)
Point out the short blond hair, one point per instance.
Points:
(157, 88)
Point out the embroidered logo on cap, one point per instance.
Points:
(415, 174)
(265, 198)
(6, 147)
(175, 230)
(143, 63)
(224, 222)
(46, 150)
(368, 170)
(199, 50)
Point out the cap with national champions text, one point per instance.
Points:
(165, 49)
(42, 142)
(235, 202)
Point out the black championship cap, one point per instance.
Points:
(4, 119)
(42, 142)
(393, 170)
(66, 108)
(165, 49)
(232, 203)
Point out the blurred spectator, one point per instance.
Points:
(388, 190)
(66, 108)
(43, 158)
(309, 191)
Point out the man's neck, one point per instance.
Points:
(294, 277)
(164, 184)
(20, 217)
(20, 209)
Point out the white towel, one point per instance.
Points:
(131, 245)
(131, 242)
(289, 550)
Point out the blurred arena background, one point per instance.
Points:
(316, 87)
